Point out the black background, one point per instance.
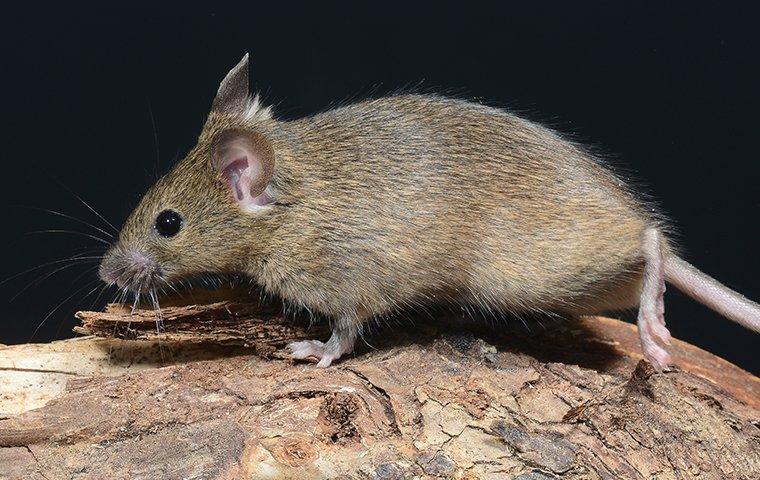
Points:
(92, 97)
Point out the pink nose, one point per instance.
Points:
(128, 269)
(110, 266)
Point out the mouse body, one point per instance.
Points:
(402, 202)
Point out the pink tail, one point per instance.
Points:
(712, 293)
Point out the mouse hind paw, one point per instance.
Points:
(655, 337)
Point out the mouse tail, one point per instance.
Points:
(710, 292)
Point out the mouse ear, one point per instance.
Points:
(245, 161)
(233, 93)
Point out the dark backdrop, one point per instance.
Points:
(96, 101)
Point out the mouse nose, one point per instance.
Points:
(109, 267)
(128, 269)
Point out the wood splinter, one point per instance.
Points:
(233, 323)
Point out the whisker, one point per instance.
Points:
(87, 285)
(155, 140)
(156, 308)
(124, 294)
(86, 205)
(120, 295)
(75, 258)
(64, 215)
(129, 321)
(170, 285)
(40, 280)
(136, 303)
(102, 290)
(70, 232)
(159, 321)
(58, 331)
(86, 272)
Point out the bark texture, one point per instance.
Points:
(212, 396)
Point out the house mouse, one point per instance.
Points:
(406, 201)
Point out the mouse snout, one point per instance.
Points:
(129, 269)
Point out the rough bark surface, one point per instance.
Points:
(212, 396)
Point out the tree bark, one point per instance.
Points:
(211, 395)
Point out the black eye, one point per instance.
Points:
(168, 223)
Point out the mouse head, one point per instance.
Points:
(214, 210)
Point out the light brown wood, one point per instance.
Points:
(212, 395)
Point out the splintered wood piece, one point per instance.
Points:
(221, 323)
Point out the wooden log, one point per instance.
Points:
(211, 395)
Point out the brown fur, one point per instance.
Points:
(402, 201)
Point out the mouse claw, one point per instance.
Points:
(657, 356)
(306, 349)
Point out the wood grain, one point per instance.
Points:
(212, 395)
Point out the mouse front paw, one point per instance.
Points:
(306, 348)
(340, 343)
(314, 349)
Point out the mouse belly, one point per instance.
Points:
(575, 294)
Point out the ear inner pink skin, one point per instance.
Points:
(232, 173)
(245, 173)
(238, 175)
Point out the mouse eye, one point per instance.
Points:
(168, 223)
